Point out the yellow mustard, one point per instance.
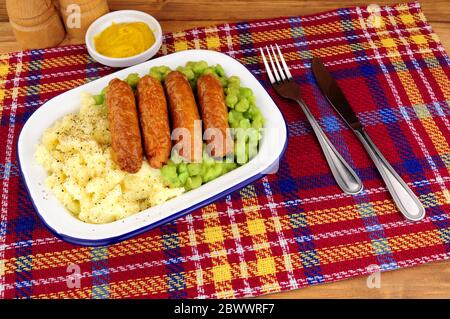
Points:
(121, 40)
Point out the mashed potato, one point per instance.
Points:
(76, 153)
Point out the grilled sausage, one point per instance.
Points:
(154, 120)
(124, 126)
(214, 115)
(184, 114)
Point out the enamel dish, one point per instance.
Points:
(67, 227)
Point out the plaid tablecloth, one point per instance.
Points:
(289, 230)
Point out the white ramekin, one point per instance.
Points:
(119, 17)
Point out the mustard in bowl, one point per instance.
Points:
(124, 38)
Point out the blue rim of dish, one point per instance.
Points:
(139, 231)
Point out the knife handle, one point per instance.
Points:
(344, 175)
(406, 201)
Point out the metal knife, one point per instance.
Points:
(406, 201)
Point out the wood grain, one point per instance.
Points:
(254, 9)
(427, 281)
(436, 10)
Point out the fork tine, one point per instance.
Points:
(277, 77)
(269, 73)
(280, 70)
(283, 62)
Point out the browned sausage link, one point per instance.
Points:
(184, 113)
(214, 114)
(124, 126)
(154, 120)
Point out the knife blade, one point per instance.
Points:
(334, 95)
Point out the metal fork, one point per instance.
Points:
(281, 79)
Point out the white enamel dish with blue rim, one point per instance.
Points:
(67, 227)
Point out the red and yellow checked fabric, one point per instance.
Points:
(289, 230)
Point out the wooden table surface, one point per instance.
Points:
(427, 281)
